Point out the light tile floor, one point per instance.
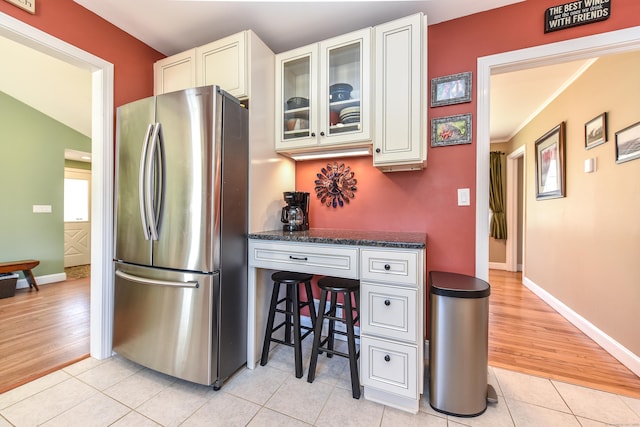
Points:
(117, 392)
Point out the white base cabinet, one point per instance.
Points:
(392, 326)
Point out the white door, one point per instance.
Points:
(77, 217)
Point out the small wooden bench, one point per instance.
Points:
(25, 266)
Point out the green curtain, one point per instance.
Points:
(496, 199)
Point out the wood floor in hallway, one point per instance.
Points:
(43, 331)
(527, 335)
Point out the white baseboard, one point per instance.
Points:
(498, 265)
(43, 280)
(611, 346)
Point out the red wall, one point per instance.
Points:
(426, 201)
(68, 21)
(423, 201)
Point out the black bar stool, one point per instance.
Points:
(291, 313)
(333, 286)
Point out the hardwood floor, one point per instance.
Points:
(527, 335)
(43, 331)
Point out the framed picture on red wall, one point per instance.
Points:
(453, 89)
(550, 164)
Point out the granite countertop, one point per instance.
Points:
(390, 239)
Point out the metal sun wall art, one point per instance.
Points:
(335, 185)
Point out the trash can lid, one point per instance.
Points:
(457, 285)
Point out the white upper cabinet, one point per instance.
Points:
(323, 95)
(175, 72)
(223, 63)
(400, 136)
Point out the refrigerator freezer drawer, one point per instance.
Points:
(166, 321)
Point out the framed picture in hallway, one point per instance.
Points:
(595, 131)
(550, 164)
(628, 143)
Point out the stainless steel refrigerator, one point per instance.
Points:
(180, 303)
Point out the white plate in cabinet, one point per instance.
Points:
(389, 366)
(388, 311)
(390, 266)
(327, 260)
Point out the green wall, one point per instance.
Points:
(32, 173)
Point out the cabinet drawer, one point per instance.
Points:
(389, 311)
(390, 266)
(389, 366)
(328, 260)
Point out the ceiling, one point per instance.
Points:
(172, 26)
(64, 92)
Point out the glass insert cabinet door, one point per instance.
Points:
(299, 81)
(345, 64)
(343, 88)
(324, 92)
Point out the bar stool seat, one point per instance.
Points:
(331, 287)
(291, 311)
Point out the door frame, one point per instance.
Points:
(619, 41)
(101, 301)
(512, 207)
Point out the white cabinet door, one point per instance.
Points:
(175, 72)
(400, 110)
(389, 366)
(323, 95)
(389, 312)
(296, 98)
(224, 63)
(345, 88)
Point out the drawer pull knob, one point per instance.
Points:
(387, 267)
(298, 258)
(387, 302)
(387, 358)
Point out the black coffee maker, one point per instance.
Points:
(295, 215)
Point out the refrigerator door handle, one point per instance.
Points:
(159, 174)
(156, 282)
(142, 182)
(150, 185)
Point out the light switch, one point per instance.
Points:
(41, 208)
(590, 165)
(464, 197)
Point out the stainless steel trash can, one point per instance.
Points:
(458, 343)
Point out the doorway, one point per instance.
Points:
(102, 182)
(615, 42)
(77, 217)
(619, 41)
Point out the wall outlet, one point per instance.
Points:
(41, 208)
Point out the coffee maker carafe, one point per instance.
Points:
(295, 215)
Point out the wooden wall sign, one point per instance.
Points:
(28, 5)
(576, 13)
